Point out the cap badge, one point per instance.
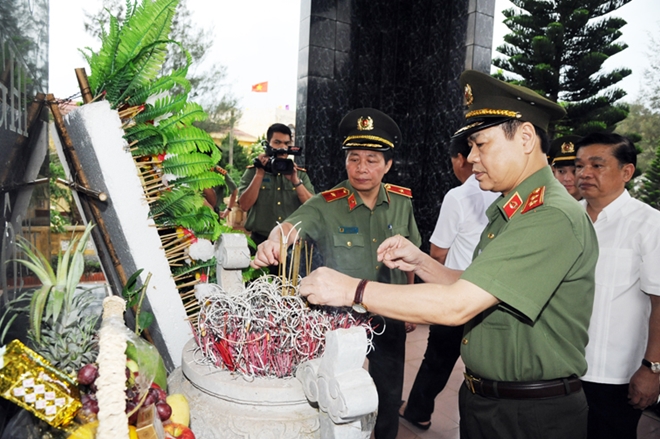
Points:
(567, 147)
(468, 95)
(365, 123)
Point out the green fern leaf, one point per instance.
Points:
(189, 139)
(202, 181)
(192, 112)
(168, 104)
(188, 164)
(203, 222)
(176, 202)
(161, 85)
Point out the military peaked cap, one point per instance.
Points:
(562, 151)
(368, 128)
(491, 102)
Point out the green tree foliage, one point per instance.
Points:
(650, 191)
(558, 48)
(207, 85)
(644, 124)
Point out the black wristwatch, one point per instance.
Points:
(297, 184)
(358, 306)
(653, 365)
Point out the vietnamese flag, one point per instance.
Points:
(262, 87)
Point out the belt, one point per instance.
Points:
(522, 389)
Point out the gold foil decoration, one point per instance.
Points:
(28, 380)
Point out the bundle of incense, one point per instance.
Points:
(28, 380)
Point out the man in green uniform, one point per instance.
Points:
(347, 224)
(268, 196)
(526, 299)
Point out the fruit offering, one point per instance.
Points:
(136, 397)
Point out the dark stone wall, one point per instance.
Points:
(403, 57)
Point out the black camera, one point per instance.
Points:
(278, 165)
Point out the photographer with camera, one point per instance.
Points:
(273, 187)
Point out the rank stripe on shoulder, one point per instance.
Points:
(335, 194)
(534, 200)
(400, 190)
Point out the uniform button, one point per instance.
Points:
(377, 267)
(464, 341)
(263, 187)
(349, 243)
(279, 202)
(374, 240)
(491, 235)
(279, 218)
(278, 188)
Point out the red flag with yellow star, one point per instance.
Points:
(262, 87)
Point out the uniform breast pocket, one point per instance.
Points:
(614, 267)
(348, 251)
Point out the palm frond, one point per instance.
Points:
(167, 104)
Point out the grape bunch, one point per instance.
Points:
(135, 397)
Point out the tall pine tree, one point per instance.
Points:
(558, 47)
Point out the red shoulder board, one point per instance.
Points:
(335, 194)
(398, 190)
(512, 206)
(534, 200)
(220, 170)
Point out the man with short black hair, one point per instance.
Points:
(268, 196)
(347, 224)
(526, 297)
(624, 334)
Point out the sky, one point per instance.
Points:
(257, 41)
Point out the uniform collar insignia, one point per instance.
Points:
(512, 205)
(534, 200)
(352, 202)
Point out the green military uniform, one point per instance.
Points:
(537, 256)
(277, 200)
(525, 258)
(348, 233)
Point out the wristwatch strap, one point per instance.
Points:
(654, 366)
(359, 292)
(298, 184)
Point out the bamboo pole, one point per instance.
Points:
(83, 83)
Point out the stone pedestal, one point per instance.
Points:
(223, 405)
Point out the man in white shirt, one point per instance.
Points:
(460, 223)
(623, 353)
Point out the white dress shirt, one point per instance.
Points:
(461, 221)
(628, 269)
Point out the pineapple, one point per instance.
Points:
(61, 327)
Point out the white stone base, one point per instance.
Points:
(223, 405)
